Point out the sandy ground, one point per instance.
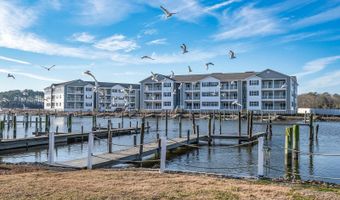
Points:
(27, 182)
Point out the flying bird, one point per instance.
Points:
(184, 48)
(154, 77)
(236, 103)
(180, 86)
(189, 68)
(231, 54)
(284, 85)
(48, 68)
(207, 65)
(172, 74)
(146, 57)
(10, 76)
(166, 12)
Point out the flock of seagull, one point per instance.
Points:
(155, 76)
(9, 75)
(184, 48)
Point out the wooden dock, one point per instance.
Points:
(60, 138)
(131, 154)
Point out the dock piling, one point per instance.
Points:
(163, 154)
(260, 157)
(51, 147)
(109, 135)
(89, 153)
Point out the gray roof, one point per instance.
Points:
(219, 76)
(107, 84)
(101, 84)
(198, 77)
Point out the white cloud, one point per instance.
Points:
(104, 12)
(14, 60)
(328, 15)
(83, 37)
(248, 22)
(300, 36)
(29, 75)
(115, 43)
(157, 42)
(329, 81)
(317, 65)
(221, 5)
(150, 31)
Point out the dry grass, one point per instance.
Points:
(109, 184)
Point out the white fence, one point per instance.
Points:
(319, 111)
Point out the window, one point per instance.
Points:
(209, 94)
(88, 104)
(88, 96)
(167, 84)
(167, 94)
(209, 84)
(210, 104)
(254, 82)
(254, 104)
(254, 93)
(167, 103)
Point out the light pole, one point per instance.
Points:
(96, 89)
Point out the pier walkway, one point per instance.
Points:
(131, 154)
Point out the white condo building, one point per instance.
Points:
(79, 95)
(266, 91)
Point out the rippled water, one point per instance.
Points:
(238, 161)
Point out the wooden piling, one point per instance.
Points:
(166, 122)
(239, 124)
(193, 123)
(198, 134)
(220, 118)
(141, 139)
(36, 125)
(94, 122)
(251, 124)
(188, 136)
(57, 129)
(180, 127)
(209, 130)
(288, 150)
(157, 123)
(311, 127)
(214, 118)
(135, 140)
(109, 135)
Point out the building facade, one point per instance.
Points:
(266, 91)
(79, 95)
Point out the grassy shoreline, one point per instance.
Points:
(39, 182)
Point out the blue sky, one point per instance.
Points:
(108, 37)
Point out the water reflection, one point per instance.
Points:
(239, 161)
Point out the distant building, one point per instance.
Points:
(79, 95)
(266, 91)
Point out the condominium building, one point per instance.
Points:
(266, 91)
(79, 95)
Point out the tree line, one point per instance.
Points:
(22, 99)
(319, 100)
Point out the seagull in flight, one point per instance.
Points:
(146, 57)
(231, 54)
(184, 48)
(10, 76)
(189, 68)
(180, 86)
(236, 103)
(207, 65)
(172, 74)
(154, 77)
(48, 68)
(284, 85)
(166, 12)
